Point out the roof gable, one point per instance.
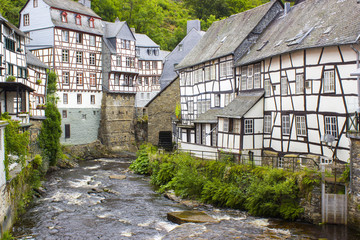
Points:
(309, 24)
(225, 36)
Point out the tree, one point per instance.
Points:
(49, 137)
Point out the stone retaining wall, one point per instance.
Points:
(354, 196)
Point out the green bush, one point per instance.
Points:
(7, 236)
(262, 191)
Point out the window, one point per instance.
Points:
(267, 123)
(155, 80)
(127, 44)
(149, 51)
(92, 79)
(92, 99)
(132, 62)
(190, 107)
(140, 64)
(65, 55)
(92, 59)
(10, 44)
(226, 125)
(78, 19)
(117, 79)
(92, 40)
(65, 36)
(128, 61)
(126, 78)
(64, 114)
(79, 99)
(118, 61)
(92, 22)
(217, 100)
(79, 78)
(140, 80)
(154, 65)
(26, 20)
(249, 126)
(180, 47)
(36, 3)
(123, 43)
(67, 130)
(234, 125)
(229, 68)
(65, 78)
(325, 161)
(243, 78)
(65, 98)
(257, 76)
(329, 81)
(267, 87)
(207, 73)
(285, 124)
(280, 162)
(64, 17)
(137, 51)
(299, 84)
(146, 80)
(223, 70)
(284, 86)
(79, 57)
(250, 79)
(300, 126)
(331, 126)
(79, 38)
(147, 65)
(156, 52)
(10, 70)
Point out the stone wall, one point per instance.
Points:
(312, 206)
(160, 110)
(117, 121)
(354, 196)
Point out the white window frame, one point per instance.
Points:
(236, 126)
(79, 78)
(65, 36)
(92, 99)
(79, 57)
(92, 79)
(226, 125)
(267, 87)
(217, 100)
(249, 126)
(190, 107)
(243, 78)
(207, 73)
(267, 123)
(79, 98)
(331, 127)
(329, 81)
(301, 126)
(26, 19)
(92, 40)
(280, 163)
(118, 61)
(65, 55)
(66, 77)
(250, 77)
(65, 98)
(299, 84)
(92, 59)
(285, 124)
(257, 75)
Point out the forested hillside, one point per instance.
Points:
(162, 20)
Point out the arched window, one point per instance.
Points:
(78, 19)
(64, 17)
(91, 22)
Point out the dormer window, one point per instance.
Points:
(78, 19)
(149, 51)
(91, 22)
(64, 17)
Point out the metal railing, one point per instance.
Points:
(288, 163)
(353, 122)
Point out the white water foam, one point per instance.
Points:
(167, 226)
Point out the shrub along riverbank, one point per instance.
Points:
(262, 191)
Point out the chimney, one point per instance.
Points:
(86, 3)
(117, 20)
(193, 24)
(286, 8)
(133, 30)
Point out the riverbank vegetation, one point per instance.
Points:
(262, 191)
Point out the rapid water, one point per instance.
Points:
(84, 203)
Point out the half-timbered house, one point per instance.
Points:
(303, 61)
(67, 36)
(14, 88)
(37, 80)
(150, 69)
(207, 75)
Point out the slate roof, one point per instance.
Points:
(72, 6)
(31, 59)
(176, 56)
(309, 24)
(111, 29)
(84, 27)
(241, 104)
(223, 37)
(10, 25)
(210, 116)
(142, 40)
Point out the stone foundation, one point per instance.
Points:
(117, 122)
(354, 196)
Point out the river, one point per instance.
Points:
(84, 203)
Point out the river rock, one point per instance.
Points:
(118, 177)
(190, 216)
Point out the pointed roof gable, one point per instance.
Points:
(225, 36)
(118, 29)
(308, 24)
